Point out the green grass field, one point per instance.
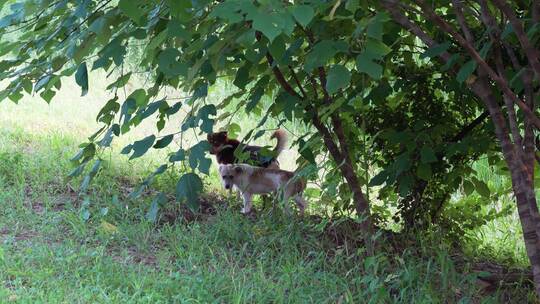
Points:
(59, 247)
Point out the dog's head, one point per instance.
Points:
(229, 174)
(217, 140)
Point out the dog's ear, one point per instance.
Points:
(238, 169)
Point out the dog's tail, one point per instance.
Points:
(282, 139)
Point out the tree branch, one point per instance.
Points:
(527, 142)
(343, 154)
(295, 77)
(535, 11)
(479, 87)
(461, 20)
(512, 118)
(392, 6)
(78, 26)
(314, 85)
(468, 128)
(528, 137)
(517, 26)
(501, 82)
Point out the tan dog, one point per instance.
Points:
(256, 180)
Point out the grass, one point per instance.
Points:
(50, 254)
(59, 247)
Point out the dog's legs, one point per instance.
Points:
(301, 202)
(247, 203)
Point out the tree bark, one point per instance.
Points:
(348, 172)
(523, 189)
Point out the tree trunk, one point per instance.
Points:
(347, 170)
(522, 186)
(341, 158)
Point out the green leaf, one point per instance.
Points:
(169, 63)
(339, 77)
(466, 70)
(377, 49)
(164, 142)
(242, 76)
(485, 49)
(188, 189)
(179, 155)
(277, 49)
(176, 29)
(375, 27)
(127, 149)
(450, 63)
(268, 24)
(140, 147)
(89, 151)
(427, 155)
(88, 178)
(233, 129)
(227, 10)
(481, 188)
(81, 77)
(47, 95)
(152, 213)
(140, 97)
(468, 187)
(424, 171)
(322, 52)
(108, 137)
(303, 14)
(207, 123)
(120, 82)
(42, 82)
(197, 157)
(58, 63)
(508, 29)
(132, 9)
(365, 64)
(254, 98)
(378, 179)
(85, 214)
(405, 183)
(114, 50)
(436, 50)
(402, 163)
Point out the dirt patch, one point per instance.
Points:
(58, 204)
(23, 235)
(141, 258)
(134, 256)
(181, 213)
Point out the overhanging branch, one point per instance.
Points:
(501, 82)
